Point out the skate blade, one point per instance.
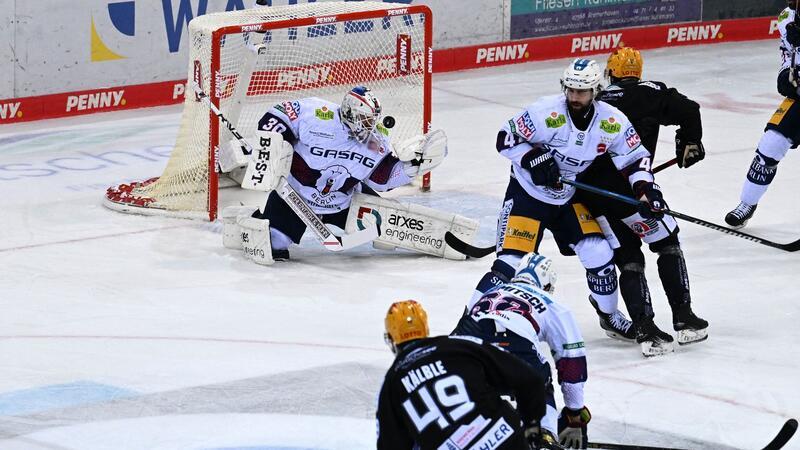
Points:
(686, 337)
(736, 227)
(618, 336)
(651, 349)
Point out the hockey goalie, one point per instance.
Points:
(323, 164)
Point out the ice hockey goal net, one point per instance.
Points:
(247, 61)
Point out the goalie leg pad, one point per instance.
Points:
(256, 240)
(410, 226)
(231, 231)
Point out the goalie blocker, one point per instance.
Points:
(409, 226)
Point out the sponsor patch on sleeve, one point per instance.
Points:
(290, 109)
(632, 138)
(524, 126)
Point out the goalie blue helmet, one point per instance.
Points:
(537, 270)
(360, 111)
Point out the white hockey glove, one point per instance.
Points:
(422, 153)
(271, 160)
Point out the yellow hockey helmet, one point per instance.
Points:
(405, 321)
(624, 62)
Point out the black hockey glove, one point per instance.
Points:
(793, 33)
(652, 204)
(540, 439)
(540, 163)
(688, 152)
(572, 427)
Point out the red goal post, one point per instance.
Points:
(248, 61)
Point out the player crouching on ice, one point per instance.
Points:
(323, 163)
(446, 392)
(520, 315)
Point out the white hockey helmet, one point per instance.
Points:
(360, 111)
(537, 270)
(582, 74)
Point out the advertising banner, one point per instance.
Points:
(63, 59)
(536, 18)
(737, 9)
(603, 42)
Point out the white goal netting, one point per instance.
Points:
(247, 61)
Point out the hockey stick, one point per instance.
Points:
(609, 446)
(479, 252)
(466, 248)
(663, 166)
(247, 149)
(788, 430)
(329, 240)
(790, 247)
(778, 442)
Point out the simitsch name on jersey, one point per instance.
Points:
(365, 161)
(421, 374)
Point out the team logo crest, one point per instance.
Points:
(332, 179)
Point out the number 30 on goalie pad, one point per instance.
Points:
(271, 159)
(410, 226)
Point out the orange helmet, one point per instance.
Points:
(405, 321)
(625, 62)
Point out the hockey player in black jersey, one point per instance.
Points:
(648, 104)
(783, 128)
(444, 392)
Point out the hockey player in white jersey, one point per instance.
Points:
(560, 136)
(783, 128)
(331, 152)
(520, 315)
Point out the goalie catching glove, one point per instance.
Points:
(422, 153)
(572, 427)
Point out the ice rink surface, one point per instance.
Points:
(131, 332)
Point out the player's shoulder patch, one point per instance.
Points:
(784, 15)
(610, 124)
(467, 338)
(323, 113)
(650, 84)
(290, 109)
(523, 126)
(632, 137)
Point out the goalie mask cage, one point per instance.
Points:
(250, 60)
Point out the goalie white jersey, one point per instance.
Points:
(547, 122)
(328, 163)
(531, 313)
(787, 50)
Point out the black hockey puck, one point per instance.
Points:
(388, 122)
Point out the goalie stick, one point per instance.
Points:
(790, 247)
(479, 252)
(778, 442)
(329, 240)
